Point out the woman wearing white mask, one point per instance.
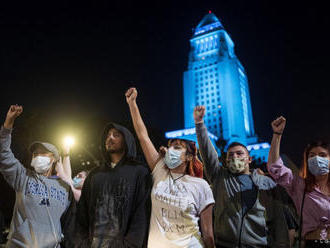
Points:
(180, 197)
(310, 191)
(41, 198)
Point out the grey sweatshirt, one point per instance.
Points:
(261, 225)
(40, 201)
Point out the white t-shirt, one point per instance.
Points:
(177, 202)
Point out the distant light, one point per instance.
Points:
(184, 132)
(210, 11)
(264, 145)
(68, 141)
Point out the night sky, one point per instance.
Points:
(70, 63)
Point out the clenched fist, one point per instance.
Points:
(278, 125)
(13, 112)
(131, 95)
(199, 113)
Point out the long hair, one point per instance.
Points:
(194, 166)
(304, 172)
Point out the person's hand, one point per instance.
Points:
(199, 113)
(13, 112)
(61, 173)
(59, 168)
(162, 151)
(278, 125)
(66, 149)
(131, 95)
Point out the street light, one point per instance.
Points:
(68, 141)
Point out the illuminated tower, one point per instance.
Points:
(216, 79)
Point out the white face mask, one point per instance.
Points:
(236, 165)
(41, 164)
(173, 158)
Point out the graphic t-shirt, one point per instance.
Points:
(177, 202)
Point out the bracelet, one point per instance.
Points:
(277, 133)
(66, 155)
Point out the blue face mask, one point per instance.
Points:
(76, 182)
(318, 165)
(173, 158)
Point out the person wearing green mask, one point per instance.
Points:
(245, 212)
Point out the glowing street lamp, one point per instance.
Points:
(68, 141)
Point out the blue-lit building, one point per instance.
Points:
(216, 79)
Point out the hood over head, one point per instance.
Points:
(130, 149)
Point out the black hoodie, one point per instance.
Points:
(113, 210)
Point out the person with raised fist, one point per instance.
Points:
(41, 198)
(180, 197)
(245, 214)
(310, 191)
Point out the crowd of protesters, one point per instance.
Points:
(177, 198)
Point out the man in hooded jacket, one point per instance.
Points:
(113, 210)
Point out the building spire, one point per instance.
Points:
(209, 23)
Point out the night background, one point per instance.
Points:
(70, 63)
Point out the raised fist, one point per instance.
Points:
(162, 151)
(13, 112)
(278, 125)
(131, 95)
(199, 113)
